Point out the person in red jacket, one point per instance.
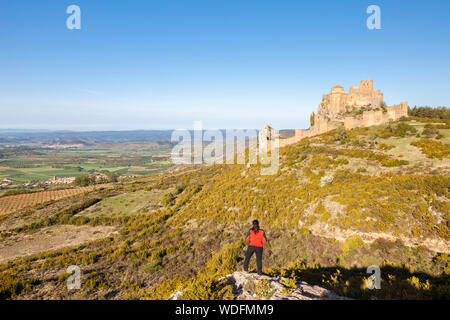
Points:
(256, 239)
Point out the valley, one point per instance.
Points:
(340, 202)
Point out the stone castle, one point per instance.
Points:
(360, 107)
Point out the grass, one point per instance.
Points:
(402, 148)
(138, 202)
(25, 175)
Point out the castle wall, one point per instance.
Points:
(377, 117)
(336, 102)
(400, 110)
(288, 141)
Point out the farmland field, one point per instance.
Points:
(30, 164)
(13, 203)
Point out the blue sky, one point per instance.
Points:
(229, 63)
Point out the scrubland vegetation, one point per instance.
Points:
(433, 149)
(340, 202)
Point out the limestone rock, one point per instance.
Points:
(251, 286)
(326, 180)
(175, 296)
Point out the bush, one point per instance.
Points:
(429, 131)
(351, 244)
(399, 129)
(206, 285)
(393, 162)
(432, 149)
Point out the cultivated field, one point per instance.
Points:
(13, 203)
(37, 164)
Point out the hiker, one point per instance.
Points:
(256, 239)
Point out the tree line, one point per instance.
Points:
(429, 112)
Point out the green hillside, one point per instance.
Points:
(340, 202)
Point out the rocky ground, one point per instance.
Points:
(251, 286)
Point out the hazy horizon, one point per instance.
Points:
(231, 64)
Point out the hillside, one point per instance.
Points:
(340, 202)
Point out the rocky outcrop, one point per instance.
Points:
(175, 296)
(251, 286)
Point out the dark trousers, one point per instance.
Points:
(248, 254)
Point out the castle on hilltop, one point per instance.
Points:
(360, 107)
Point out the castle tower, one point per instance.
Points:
(366, 85)
(404, 108)
(336, 99)
(265, 137)
(337, 89)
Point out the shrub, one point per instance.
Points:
(399, 129)
(290, 283)
(264, 289)
(322, 212)
(432, 149)
(429, 131)
(351, 244)
(393, 162)
(11, 286)
(206, 285)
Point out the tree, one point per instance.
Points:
(311, 119)
(428, 112)
(83, 181)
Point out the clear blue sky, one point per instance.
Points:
(229, 63)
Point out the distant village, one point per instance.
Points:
(6, 183)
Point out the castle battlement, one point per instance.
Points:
(360, 107)
(338, 101)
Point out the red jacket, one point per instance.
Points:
(256, 239)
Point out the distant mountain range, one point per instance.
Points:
(87, 138)
(18, 136)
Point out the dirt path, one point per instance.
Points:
(49, 239)
(324, 230)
